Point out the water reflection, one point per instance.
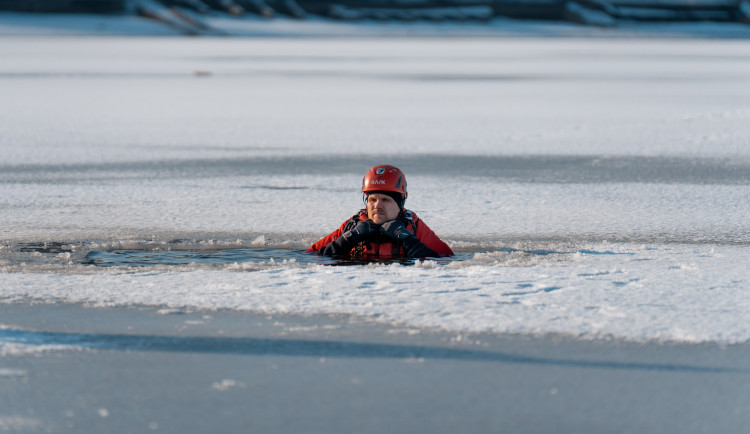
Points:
(145, 258)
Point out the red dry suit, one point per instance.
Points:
(383, 247)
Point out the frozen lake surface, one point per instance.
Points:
(592, 187)
(69, 368)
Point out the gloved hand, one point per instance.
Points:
(342, 245)
(396, 230)
(362, 231)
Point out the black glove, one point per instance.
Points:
(396, 230)
(342, 245)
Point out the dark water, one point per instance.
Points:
(41, 253)
(145, 258)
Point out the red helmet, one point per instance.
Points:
(385, 178)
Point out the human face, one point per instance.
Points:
(381, 208)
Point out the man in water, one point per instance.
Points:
(384, 228)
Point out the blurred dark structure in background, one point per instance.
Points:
(190, 13)
(50, 6)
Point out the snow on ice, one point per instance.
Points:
(627, 217)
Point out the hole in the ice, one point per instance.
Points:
(146, 258)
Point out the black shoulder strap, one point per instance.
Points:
(353, 221)
(407, 218)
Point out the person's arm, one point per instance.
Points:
(341, 243)
(318, 245)
(431, 240)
